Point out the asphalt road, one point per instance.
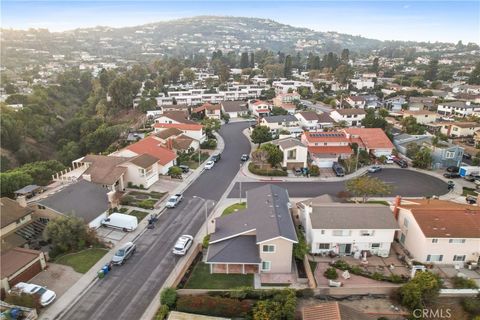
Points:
(406, 183)
(127, 290)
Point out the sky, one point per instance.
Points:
(446, 21)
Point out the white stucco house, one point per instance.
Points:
(295, 153)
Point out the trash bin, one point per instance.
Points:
(101, 274)
(105, 269)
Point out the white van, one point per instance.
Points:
(121, 221)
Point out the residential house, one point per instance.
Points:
(458, 108)
(353, 117)
(283, 122)
(285, 86)
(309, 120)
(395, 103)
(82, 199)
(295, 153)
(325, 121)
(362, 84)
(444, 154)
(372, 140)
(235, 109)
(286, 98)
(421, 103)
(439, 231)
(19, 265)
(347, 228)
(363, 102)
(325, 148)
(211, 111)
(174, 117)
(259, 108)
(175, 108)
(422, 116)
(258, 239)
(456, 129)
(179, 121)
(174, 139)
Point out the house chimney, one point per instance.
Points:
(396, 206)
(22, 201)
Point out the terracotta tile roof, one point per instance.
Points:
(11, 211)
(323, 311)
(326, 137)
(144, 160)
(104, 169)
(164, 134)
(372, 138)
(330, 150)
(150, 145)
(445, 219)
(259, 102)
(288, 106)
(182, 142)
(15, 259)
(207, 106)
(180, 126)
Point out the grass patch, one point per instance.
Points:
(201, 278)
(157, 195)
(234, 207)
(468, 192)
(382, 202)
(123, 210)
(82, 261)
(313, 265)
(139, 214)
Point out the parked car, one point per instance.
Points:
(124, 253)
(453, 169)
(209, 165)
(389, 159)
(244, 157)
(338, 169)
(174, 200)
(185, 169)
(374, 169)
(467, 156)
(46, 296)
(298, 171)
(471, 199)
(183, 244)
(216, 157)
(401, 163)
(472, 177)
(451, 175)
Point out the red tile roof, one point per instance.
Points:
(181, 126)
(326, 137)
(153, 147)
(373, 138)
(330, 150)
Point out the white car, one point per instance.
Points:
(209, 165)
(174, 200)
(389, 159)
(46, 296)
(183, 244)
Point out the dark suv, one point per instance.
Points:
(216, 157)
(401, 163)
(338, 169)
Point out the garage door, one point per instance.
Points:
(324, 163)
(26, 275)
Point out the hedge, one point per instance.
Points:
(214, 306)
(253, 168)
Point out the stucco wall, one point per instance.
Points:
(281, 259)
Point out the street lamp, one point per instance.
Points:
(206, 211)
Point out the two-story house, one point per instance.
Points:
(439, 231)
(283, 98)
(353, 117)
(258, 239)
(325, 148)
(422, 116)
(212, 111)
(234, 109)
(458, 108)
(259, 108)
(286, 122)
(309, 120)
(295, 153)
(180, 121)
(347, 228)
(456, 129)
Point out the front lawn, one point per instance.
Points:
(469, 192)
(82, 261)
(233, 208)
(139, 214)
(201, 278)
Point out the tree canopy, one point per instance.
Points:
(261, 134)
(366, 186)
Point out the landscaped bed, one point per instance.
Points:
(142, 200)
(139, 214)
(233, 208)
(201, 278)
(82, 261)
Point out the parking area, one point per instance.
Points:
(57, 277)
(109, 235)
(167, 184)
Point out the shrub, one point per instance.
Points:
(472, 305)
(168, 297)
(162, 312)
(175, 172)
(281, 306)
(342, 265)
(464, 283)
(205, 241)
(331, 273)
(424, 287)
(395, 278)
(253, 168)
(126, 200)
(130, 184)
(23, 299)
(377, 276)
(214, 306)
(314, 171)
(209, 144)
(305, 293)
(146, 204)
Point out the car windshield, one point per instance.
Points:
(120, 253)
(172, 199)
(178, 247)
(41, 291)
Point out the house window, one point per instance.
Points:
(366, 233)
(435, 257)
(292, 154)
(405, 222)
(402, 238)
(449, 155)
(434, 240)
(266, 265)
(322, 231)
(456, 240)
(341, 233)
(323, 246)
(375, 245)
(459, 258)
(268, 248)
(41, 207)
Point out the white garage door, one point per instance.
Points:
(324, 163)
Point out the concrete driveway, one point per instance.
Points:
(57, 277)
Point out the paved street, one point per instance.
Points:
(128, 290)
(406, 183)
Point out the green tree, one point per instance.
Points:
(343, 73)
(175, 172)
(211, 125)
(11, 181)
(423, 159)
(281, 306)
(474, 77)
(287, 68)
(372, 121)
(412, 150)
(188, 75)
(168, 297)
(244, 63)
(411, 126)
(432, 70)
(367, 186)
(252, 60)
(261, 134)
(375, 65)
(69, 152)
(121, 92)
(423, 288)
(275, 155)
(277, 111)
(383, 113)
(345, 56)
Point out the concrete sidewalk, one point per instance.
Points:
(59, 307)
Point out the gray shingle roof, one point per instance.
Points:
(282, 118)
(234, 106)
(267, 213)
(82, 199)
(352, 216)
(289, 142)
(242, 249)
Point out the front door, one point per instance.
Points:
(345, 248)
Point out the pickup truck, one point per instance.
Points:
(174, 200)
